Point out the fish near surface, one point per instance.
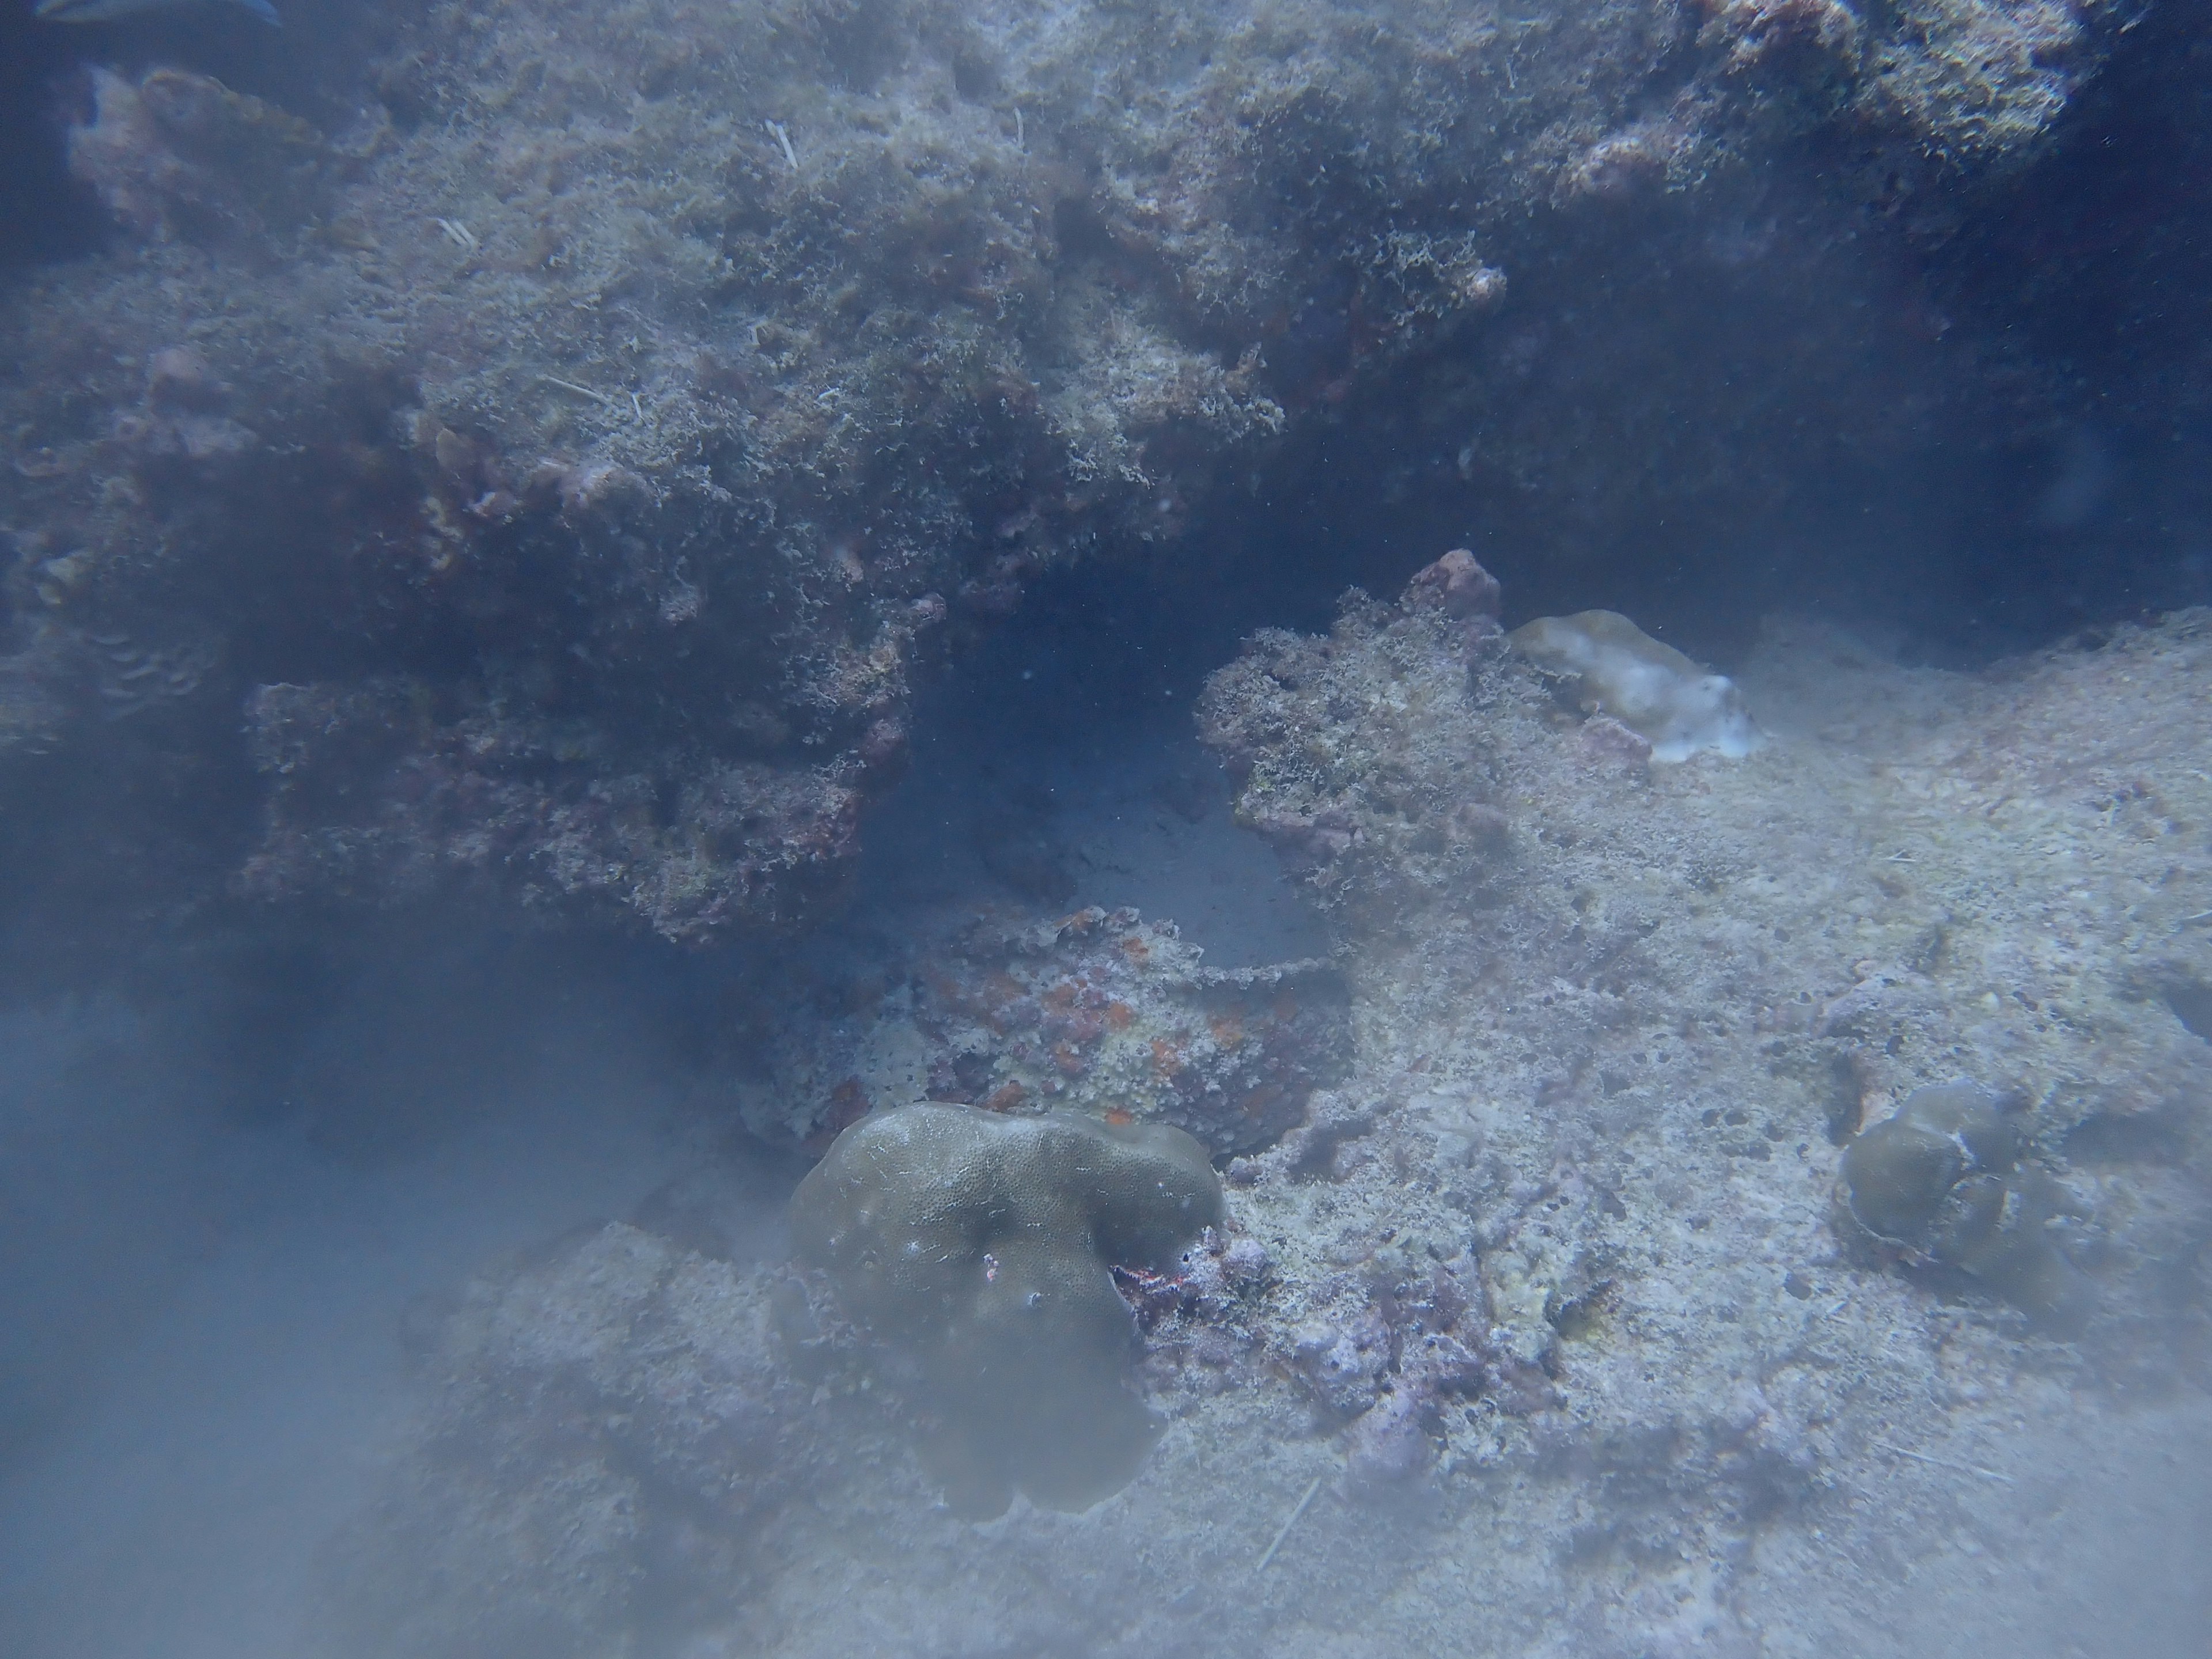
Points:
(102, 11)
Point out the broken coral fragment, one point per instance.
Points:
(983, 1246)
(1652, 688)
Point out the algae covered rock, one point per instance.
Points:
(984, 1246)
(1941, 1182)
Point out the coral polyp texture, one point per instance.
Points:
(583, 445)
(986, 1247)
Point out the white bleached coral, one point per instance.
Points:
(1652, 688)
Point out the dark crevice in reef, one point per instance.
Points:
(2083, 281)
(2097, 253)
(1953, 552)
(2191, 1002)
(2094, 265)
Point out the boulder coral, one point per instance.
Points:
(985, 1248)
(1941, 1182)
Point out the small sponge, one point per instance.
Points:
(984, 1246)
(1651, 689)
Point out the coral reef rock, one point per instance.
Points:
(1100, 1011)
(1542, 1323)
(1618, 1025)
(586, 442)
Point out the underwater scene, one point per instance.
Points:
(1140, 828)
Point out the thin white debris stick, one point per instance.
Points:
(581, 391)
(1284, 1531)
(1943, 1462)
(784, 138)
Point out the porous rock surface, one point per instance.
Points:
(558, 472)
(1984, 878)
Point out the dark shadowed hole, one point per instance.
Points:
(2191, 1002)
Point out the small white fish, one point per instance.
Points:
(101, 11)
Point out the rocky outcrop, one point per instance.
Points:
(560, 472)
